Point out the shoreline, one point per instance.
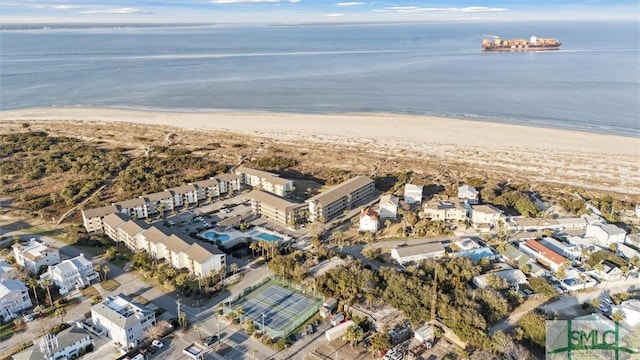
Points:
(532, 154)
(381, 128)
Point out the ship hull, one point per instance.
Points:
(522, 48)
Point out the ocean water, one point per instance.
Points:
(591, 84)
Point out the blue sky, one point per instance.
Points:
(302, 11)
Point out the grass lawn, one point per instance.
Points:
(93, 250)
(6, 331)
(90, 291)
(110, 285)
(123, 256)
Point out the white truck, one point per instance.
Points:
(338, 331)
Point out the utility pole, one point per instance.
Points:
(263, 332)
(179, 317)
(218, 324)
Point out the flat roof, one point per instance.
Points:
(99, 212)
(273, 200)
(428, 248)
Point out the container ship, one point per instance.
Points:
(534, 44)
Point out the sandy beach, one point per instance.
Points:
(605, 162)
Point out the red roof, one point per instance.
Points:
(370, 212)
(545, 251)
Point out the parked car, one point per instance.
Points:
(27, 318)
(607, 302)
(158, 344)
(210, 340)
(226, 211)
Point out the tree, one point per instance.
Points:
(240, 312)
(249, 326)
(98, 270)
(182, 319)
(105, 271)
(47, 283)
(380, 340)
(38, 309)
(368, 237)
(61, 312)
(354, 335)
(387, 224)
(32, 282)
(234, 268)
(595, 302)
(618, 316)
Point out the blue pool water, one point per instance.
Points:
(268, 237)
(214, 236)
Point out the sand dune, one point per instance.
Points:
(611, 162)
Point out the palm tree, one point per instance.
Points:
(60, 311)
(240, 312)
(46, 283)
(234, 268)
(98, 270)
(32, 282)
(253, 247)
(105, 270)
(618, 316)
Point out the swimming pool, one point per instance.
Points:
(268, 237)
(214, 236)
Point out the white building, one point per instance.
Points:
(369, 220)
(631, 311)
(14, 297)
(469, 194)
(265, 181)
(92, 218)
(485, 214)
(36, 254)
(445, 210)
(332, 203)
(606, 234)
(627, 252)
(202, 258)
(71, 274)
(123, 320)
(415, 253)
(388, 207)
(543, 254)
(136, 208)
(413, 194)
(567, 250)
(67, 344)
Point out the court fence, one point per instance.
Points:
(299, 319)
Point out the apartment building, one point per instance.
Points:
(92, 218)
(346, 196)
(275, 208)
(265, 181)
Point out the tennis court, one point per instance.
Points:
(280, 308)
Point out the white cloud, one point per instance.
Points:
(416, 9)
(58, 7)
(335, 15)
(243, 1)
(351, 3)
(294, 1)
(114, 11)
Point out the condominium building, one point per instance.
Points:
(92, 218)
(275, 208)
(265, 181)
(346, 196)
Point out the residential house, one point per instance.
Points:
(369, 220)
(413, 194)
(123, 320)
(627, 251)
(71, 274)
(606, 234)
(521, 223)
(202, 258)
(511, 276)
(92, 218)
(485, 214)
(469, 194)
(567, 250)
(605, 270)
(265, 181)
(35, 254)
(511, 253)
(573, 222)
(465, 244)
(275, 208)
(136, 208)
(543, 254)
(14, 297)
(67, 344)
(445, 211)
(346, 196)
(388, 208)
(7, 272)
(415, 253)
(111, 223)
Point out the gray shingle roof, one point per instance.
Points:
(99, 212)
(428, 248)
